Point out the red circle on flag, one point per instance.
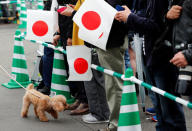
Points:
(91, 20)
(81, 65)
(40, 28)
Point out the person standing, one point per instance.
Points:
(163, 74)
(95, 89)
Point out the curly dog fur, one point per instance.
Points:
(44, 103)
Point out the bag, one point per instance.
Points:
(184, 82)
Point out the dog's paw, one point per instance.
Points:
(44, 120)
(24, 115)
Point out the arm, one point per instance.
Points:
(69, 31)
(137, 23)
(142, 24)
(56, 38)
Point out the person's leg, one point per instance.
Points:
(96, 96)
(47, 69)
(169, 113)
(81, 96)
(127, 60)
(132, 58)
(149, 81)
(113, 59)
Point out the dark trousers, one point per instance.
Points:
(96, 95)
(47, 66)
(170, 114)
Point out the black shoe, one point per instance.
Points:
(41, 85)
(45, 90)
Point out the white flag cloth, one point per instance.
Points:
(79, 60)
(41, 25)
(95, 18)
(54, 5)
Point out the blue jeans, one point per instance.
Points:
(170, 114)
(47, 66)
(127, 60)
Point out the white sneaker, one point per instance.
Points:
(89, 118)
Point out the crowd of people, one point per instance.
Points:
(166, 30)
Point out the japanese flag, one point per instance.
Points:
(95, 18)
(79, 60)
(41, 25)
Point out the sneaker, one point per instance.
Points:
(150, 111)
(89, 118)
(154, 119)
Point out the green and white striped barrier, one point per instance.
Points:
(19, 65)
(8, 2)
(160, 92)
(129, 119)
(12, 2)
(106, 71)
(23, 16)
(132, 79)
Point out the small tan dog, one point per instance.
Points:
(42, 103)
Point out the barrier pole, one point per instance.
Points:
(161, 92)
(121, 76)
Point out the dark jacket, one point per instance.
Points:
(118, 29)
(65, 23)
(182, 31)
(151, 26)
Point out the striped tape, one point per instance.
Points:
(121, 76)
(161, 92)
(106, 71)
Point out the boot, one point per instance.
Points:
(41, 85)
(45, 90)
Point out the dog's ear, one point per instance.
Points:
(58, 106)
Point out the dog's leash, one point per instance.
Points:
(4, 70)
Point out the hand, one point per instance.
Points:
(179, 60)
(174, 12)
(69, 42)
(123, 15)
(55, 40)
(73, 6)
(68, 11)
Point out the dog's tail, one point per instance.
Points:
(30, 86)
